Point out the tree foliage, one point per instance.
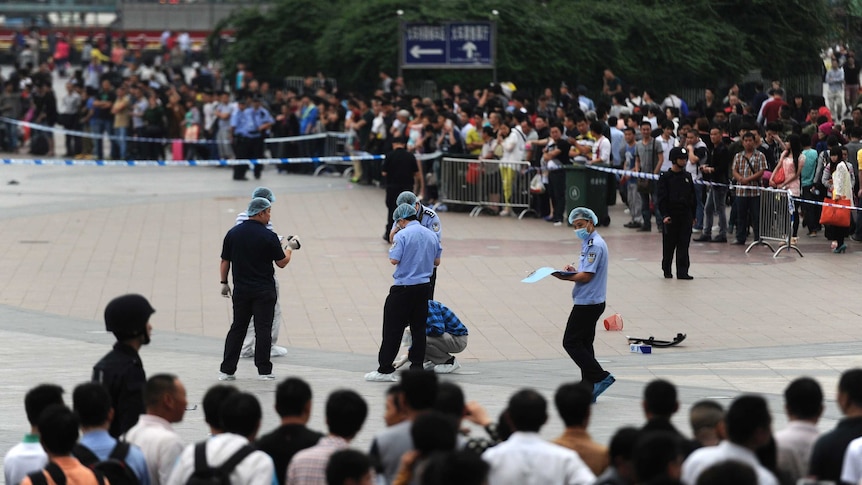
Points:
(659, 43)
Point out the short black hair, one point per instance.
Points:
(729, 471)
(660, 398)
(654, 451)
(39, 398)
(420, 389)
(804, 398)
(240, 414)
(157, 386)
(291, 397)
(748, 134)
(851, 384)
(344, 464)
(573, 402)
(434, 431)
(345, 413)
(461, 467)
(705, 414)
(213, 399)
(58, 429)
(597, 127)
(450, 399)
(92, 403)
(528, 410)
(746, 414)
(623, 443)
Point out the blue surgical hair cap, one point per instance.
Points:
(406, 197)
(583, 213)
(263, 192)
(403, 211)
(257, 205)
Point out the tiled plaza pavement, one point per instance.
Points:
(72, 238)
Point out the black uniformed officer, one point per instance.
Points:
(121, 370)
(401, 171)
(677, 203)
(250, 249)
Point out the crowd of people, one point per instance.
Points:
(426, 441)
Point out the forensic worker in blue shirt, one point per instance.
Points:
(415, 252)
(589, 294)
(427, 217)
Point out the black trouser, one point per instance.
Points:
(73, 143)
(405, 305)
(433, 283)
(242, 152)
(257, 152)
(676, 237)
(392, 192)
(811, 212)
(748, 214)
(557, 192)
(260, 305)
(578, 340)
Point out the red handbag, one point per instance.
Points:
(474, 171)
(836, 216)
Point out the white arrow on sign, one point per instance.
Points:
(418, 52)
(469, 48)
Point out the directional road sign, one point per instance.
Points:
(452, 45)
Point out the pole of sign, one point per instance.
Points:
(400, 14)
(496, 14)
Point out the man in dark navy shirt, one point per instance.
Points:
(250, 248)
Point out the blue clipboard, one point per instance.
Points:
(544, 272)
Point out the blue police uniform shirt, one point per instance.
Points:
(252, 119)
(429, 219)
(236, 122)
(415, 248)
(594, 259)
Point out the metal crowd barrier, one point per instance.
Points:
(331, 145)
(775, 224)
(480, 183)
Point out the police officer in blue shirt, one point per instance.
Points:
(258, 121)
(415, 252)
(427, 217)
(238, 130)
(589, 294)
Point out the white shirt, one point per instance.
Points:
(703, 458)
(666, 146)
(159, 442)
(255, 469)
(794, 443)
(514, 147)
(851, 470)
(22, 459)
(692, 168)
(527, 459)
(602, 150)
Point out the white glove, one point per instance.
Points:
(225, 290)
(293, 243)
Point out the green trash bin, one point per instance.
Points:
(588, 188)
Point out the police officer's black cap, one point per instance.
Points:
(678, 152)
(400, 139)
(127, 316)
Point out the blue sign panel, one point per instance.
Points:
(470, 43)
(452, 45)
(424, 45)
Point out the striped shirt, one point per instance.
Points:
(748, 166)
(308, 467)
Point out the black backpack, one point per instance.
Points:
(56, 473)
(207, 475)
(115, 468)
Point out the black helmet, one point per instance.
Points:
(127, 316)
